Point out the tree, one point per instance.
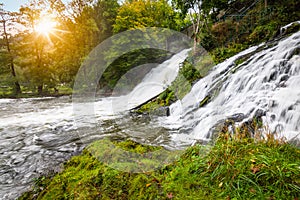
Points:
(105, 14)
(34, 46)
(81, 26)
(193, 9)
(145, 13)
(134, 14)
(6, 18)
(199, 12)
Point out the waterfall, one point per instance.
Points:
(266, 85)
(157, 80)
(153, 84)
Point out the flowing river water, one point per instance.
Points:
(38, 135)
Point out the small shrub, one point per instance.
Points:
(262, 33)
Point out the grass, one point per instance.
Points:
(27, 92)
(235, 167)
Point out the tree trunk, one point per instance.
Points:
(266, 3)
(39, 57)
(17, 88)
(40, 89)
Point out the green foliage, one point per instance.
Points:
(47, 61)
(207, 40)
(262, 33)
(145, 13)
(91, 25)
(166, 98)
(235, 167)
(245, 24)
(222, 53)
(125, 63)
(189, 72)
(248, 169)
(284, 12)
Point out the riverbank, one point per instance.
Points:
(6, 93)
(234, 167)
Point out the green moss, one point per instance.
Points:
(148, 107)
(204, 101)
(133, 146)
(164, 99)
(235, 167)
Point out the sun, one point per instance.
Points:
(45, 26)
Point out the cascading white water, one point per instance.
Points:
(157, 80)
(268, 82)
(154, 83)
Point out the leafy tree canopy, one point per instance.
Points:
(146, 13)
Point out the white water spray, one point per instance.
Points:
(268, 82)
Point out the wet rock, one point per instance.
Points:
(291, 107)
(295, 142)
(225, 125)
(162, 111)
(290, 28)
(272, 103)
(273, 76)
(238, 117)
(284, 77)
(259, 113)
(273, 117)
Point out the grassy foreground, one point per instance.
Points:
(235, 167)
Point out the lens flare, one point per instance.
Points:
(45, 26)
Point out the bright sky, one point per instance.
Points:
(14, 5)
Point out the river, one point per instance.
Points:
(37, 135)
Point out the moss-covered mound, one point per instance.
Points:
(233, 168)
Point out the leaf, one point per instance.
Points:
(255, 170)
(170, 196)
(252, 190)
(148, 185)
(221, 184)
